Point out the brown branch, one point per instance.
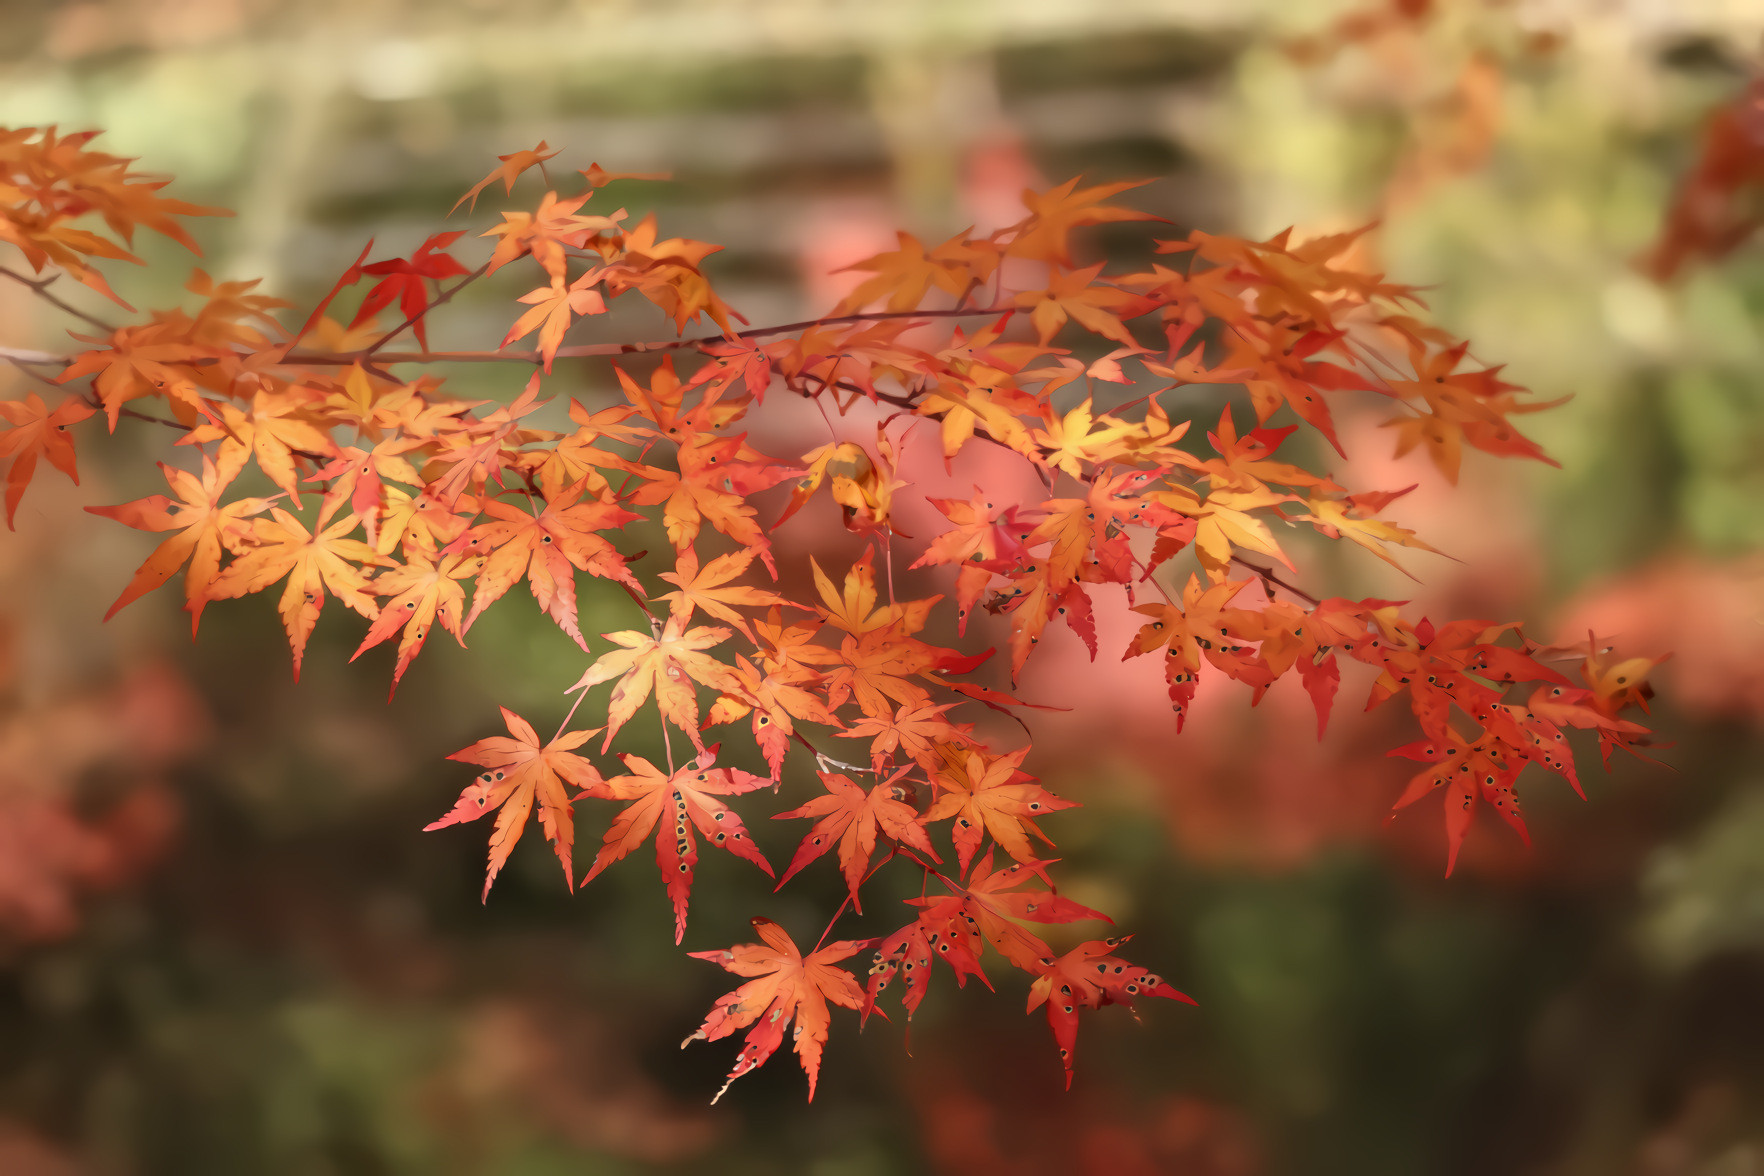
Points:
(596, 350)
(148, 417)
(583, 351)
(40, 287)
(441, 299)
(1267, 576)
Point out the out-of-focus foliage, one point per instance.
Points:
(308, 985)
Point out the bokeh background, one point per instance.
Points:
(225, 946)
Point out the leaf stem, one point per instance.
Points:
(580, 695)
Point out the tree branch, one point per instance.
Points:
(1267, 576)
(582, 351)
(40, 287)
(441, 299)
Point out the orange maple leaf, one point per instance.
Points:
(512, 166)
(914, 729)
(206, 530)
(547, 233)
(1053, 215)
(787, 986)
(691, 793)
(553, 307)
(276, 430)
(854, 817)
(547, 548)
(425, 592)
(707, 589)
(906, 274)
(521, 771)
(774, 701)
(312, 561)
(1074, 295)
(37, 432)
(990, 794)
(668, 663)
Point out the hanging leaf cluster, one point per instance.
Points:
(417, 510)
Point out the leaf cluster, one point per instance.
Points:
(398, 500)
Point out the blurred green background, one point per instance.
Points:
(269, 969)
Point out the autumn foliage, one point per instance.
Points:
(373, 487)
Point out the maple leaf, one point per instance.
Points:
(878, 671)
(906, 274)
(37, 432)
(546, 233)
(787, 986)
(990, 794)
(985, 540)
(704, 490)
(1069, 440)
(954, 927)
(666, 273)
(425, 592)
(402, 279)
(667, 663)
(907, 954)
(1224, 520)
(707, 589)
(512, 166)
(417, 521)
(519, 773)
(691, 794)
(915, 730)
(599, 177)
(1243, 463)
(1074, 295)
(579, 456)
(312, 561)
(481, 452)
(275, 431)
(864, 489)
(206, 530)
(1282, 372)
(775, 701)
(854, 608)
(553, 306)
(854, 817)
(1055, 213)
(145, 360)
(545, 548)
(1460, 406)
(1331, 517)
(1089, 976)
(1469, 773)
(358, 477)
(1035, 597)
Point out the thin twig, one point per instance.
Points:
(825, 761)
(40, 287)
(593, 350)
(1267, 576)
(98, 404)
(583, 351)
(24, 355)
(442, 298)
